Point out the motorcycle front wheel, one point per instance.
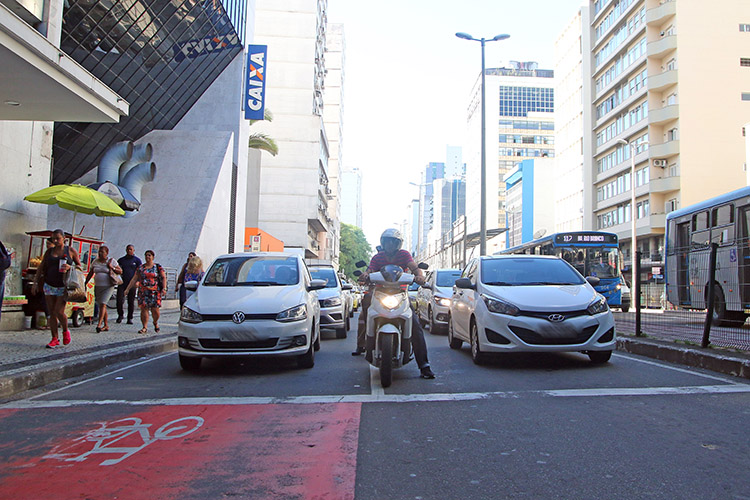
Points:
(386, 360)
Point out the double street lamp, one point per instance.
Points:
(483, 174)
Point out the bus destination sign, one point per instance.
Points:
(585, 238)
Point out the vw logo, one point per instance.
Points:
(238, 317)
(555, 318)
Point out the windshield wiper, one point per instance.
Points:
(500, 283)
(542, 283)
(257, 283)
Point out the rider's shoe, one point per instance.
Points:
(426, 372)
(358, 351)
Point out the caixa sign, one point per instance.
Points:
(194, 48)
(255, 82)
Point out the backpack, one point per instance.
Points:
(4, 258)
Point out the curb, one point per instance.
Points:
(694, 356)
(23, 379)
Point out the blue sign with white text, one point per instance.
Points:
(255, 82)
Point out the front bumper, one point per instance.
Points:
(332, 317)
(440, 314)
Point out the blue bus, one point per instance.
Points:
(592, 253)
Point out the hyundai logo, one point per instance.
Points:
(555, 318)
(238, 317)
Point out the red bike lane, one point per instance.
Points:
(201, 451)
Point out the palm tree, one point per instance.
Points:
(263, 141)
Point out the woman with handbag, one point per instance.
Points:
(151, 281)
(106, 274)
(57, 261)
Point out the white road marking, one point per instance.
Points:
(390, 398)
(375, 388)
(668, 366)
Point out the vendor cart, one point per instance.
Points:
(87, 248)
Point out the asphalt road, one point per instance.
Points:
(526, 426)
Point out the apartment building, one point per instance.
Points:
(351, 196)
(669, 87)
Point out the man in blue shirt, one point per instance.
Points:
(129, 263)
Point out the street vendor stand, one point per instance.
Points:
(87, 248)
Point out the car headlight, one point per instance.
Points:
(190, 316)
(598, 306)
(618, 286)
(390, 301)
(442, 301)
(330, 302)
(500, 307)
(297, 313)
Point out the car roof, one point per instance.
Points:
(257, 254)
(519, 256)
(444, 269)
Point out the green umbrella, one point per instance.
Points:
(78, 199)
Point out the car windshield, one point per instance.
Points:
(253, 271)
(529, 272)
(324, 273)
(447, 278)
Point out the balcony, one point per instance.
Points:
(657, 220)
(662, 80)
(665, 114)
(662, 13)
(665, 150)
(661, 47)
(664, 185)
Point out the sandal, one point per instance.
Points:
(105, 329)
(98, 329)
(142, 330)
(156, 329)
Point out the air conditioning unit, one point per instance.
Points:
(660, 163)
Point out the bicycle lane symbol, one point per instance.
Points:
(112, 437)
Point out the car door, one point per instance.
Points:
(462, 298)
(423, 296)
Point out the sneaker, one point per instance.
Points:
(130, 321)
(119, 319)
(426, 372)
(66, 337)
(54, 343)
(358, 351)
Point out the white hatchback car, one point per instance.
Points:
(515, 303)
(248, 305)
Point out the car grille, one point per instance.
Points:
(246, 344)
(534, 338)
(228, 317)
(545, 315)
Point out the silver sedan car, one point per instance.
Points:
(517, 303)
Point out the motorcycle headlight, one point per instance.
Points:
(390, 301)
(190, 316)
(500, 307)
(442, 301)
(330, 302)
(618, 286)
(599, 305)
(297, 313)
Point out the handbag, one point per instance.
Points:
(75, 285)
(116, 278)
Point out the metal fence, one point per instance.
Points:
(679, 309)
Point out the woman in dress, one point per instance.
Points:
(104, 286)
(151, 281)
(193, 272)
(56, 262)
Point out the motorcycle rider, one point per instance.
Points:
(392, 253)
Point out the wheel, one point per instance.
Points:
(307, 360)
(625, 308)
(347, 324)
(599, 357)
(386, 360)
(433, 327)
(453, 342)
(316, 345)
(77, 317)
(477, 355)
(190, 364)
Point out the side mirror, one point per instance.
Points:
(191, 285)
(593, 280)
(465, 283)
(357, 273)
(346, 286)
(423, 266)
(361, 263)
(318, 284)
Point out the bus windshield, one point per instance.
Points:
(601, 262)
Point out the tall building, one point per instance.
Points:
(411, 241)
(295, 184)
(673, 80)
(351, 196)
(519, 107)
(530, 188)
(433, 171)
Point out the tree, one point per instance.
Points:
(263, 141)
(354, 247)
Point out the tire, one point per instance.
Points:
(386, 360)
(453, 342)
(625, 308)
(316, 344)
(307, 360)
(77, 317)
(347, 323)
(477, 356)
(190, 364)
(433, 327)
(599, 357)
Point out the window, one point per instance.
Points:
(700, 221)
(744, 61)
(745, 28)
(672, 64)
(746, 96)
(722, 216)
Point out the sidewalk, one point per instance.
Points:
(26, 364)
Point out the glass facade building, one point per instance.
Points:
(518, 101)
(158, 55)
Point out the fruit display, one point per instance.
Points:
(34, 262)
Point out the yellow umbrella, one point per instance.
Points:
(78, 199)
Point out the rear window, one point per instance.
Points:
(325, 273)
(253, 271)
(525, 272)
(447, 278)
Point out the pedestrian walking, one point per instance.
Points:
(129, 264)
(181, 280)
(103, 269)
(4, 265)
(55, 263)
(151, 281)
(193, 272)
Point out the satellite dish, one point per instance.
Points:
(540, 233)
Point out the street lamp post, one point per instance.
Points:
(633, 212)
(483, 168)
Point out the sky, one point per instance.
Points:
(408, 79)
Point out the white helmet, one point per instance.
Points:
(392, 233)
